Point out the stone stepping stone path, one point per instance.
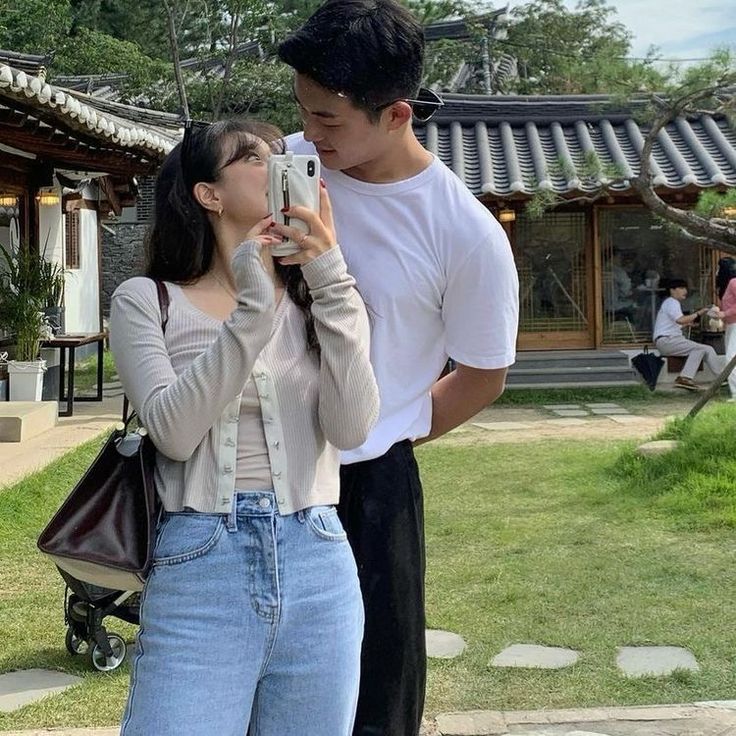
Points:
(655, 661)
(502, 426)
(535, 656)
(657, 447)
(443, 644)
(586, 410)
(27, 686)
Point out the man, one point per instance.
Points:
(669, 340)
(437, 275)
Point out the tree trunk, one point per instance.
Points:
(175, 59)
(712, 389)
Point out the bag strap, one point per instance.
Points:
(163, 304)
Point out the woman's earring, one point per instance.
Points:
(219, 212)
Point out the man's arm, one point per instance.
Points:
(460, 395)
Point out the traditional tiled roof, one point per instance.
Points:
(110, 86)
(459, 29)
(29, 63)
(150, 132)
(105, 86)
(511, 145)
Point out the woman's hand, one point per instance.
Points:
(260, 232)
(320, 237)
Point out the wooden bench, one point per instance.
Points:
(675, 363)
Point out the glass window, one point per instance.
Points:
(638, 254)
(550, 257)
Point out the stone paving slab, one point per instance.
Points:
(608, 410)
(603, 405)
(655, 661)
(66, 732)
(89, 420)
(657, 447)
(664, 720)
(562, 422)
(443, 644)
(500, 426)
(27, 686)
(626, 418)
(535, 656)
(552, 407)
(571, 412)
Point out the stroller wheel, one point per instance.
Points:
(108, 664)
(74, 643)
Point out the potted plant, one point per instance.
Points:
(51, 280)
(21, 314)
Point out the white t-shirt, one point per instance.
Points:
(436, 272)
(666, 323)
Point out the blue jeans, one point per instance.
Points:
(253, 619)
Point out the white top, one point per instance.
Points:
(666, 323)
(438, 278)
(253, 469)
(187, 385)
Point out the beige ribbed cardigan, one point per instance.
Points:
(186, 385)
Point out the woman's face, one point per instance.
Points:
(242, 184)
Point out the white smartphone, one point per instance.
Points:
(293, 179)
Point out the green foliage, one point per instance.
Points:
(695, 484)
(22, 301)
(93, 52)
(712, 203)
(563, 51)
(34, 26)
(575, 395)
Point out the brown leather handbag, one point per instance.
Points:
(105, 530)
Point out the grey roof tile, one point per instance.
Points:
(504, 145)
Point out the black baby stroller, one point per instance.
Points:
(85, 607)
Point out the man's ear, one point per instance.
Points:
(398, 114)
(207, 196)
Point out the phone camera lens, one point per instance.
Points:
(310, 168)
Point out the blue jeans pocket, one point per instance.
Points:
(324, 522)
(186, 536)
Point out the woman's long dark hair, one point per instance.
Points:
(180, 245)
(726, 271)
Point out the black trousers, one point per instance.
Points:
(382, 511)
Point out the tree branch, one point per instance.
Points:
(176, 61)
(229, 61)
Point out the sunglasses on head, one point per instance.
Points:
(423, 107)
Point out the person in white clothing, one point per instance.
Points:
(669, 340)
(437, 275)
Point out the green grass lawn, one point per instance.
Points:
(544, 542)
(541, 543)
(85, 375)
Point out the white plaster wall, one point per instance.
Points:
(51, 230)
(82, 292)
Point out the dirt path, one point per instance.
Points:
(524, 423)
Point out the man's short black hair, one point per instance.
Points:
(370, 50)
(676, 284)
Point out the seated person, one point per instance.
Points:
(669, 340)
(618, 296)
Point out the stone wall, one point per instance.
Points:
(122, 250)
(122, 257)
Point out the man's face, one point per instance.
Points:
(343, 134)
(680, 293)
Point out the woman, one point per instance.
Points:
(251, 616)
(726, 287)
